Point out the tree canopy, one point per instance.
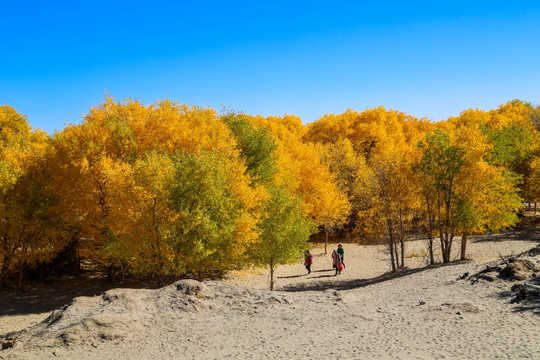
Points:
(169, 189)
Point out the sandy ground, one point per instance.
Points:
(369, 261)
(421, 313)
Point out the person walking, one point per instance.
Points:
(341, 252)
(336, 262)
(308, 260)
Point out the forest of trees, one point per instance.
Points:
(169, 190)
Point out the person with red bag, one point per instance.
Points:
(336, 262)
(308, 260)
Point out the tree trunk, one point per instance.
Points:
(449, 247)
(535, 207)
(391, 248)
(447, 235)
(430, 242)
(401, 240)
(326, 240)
(430, 232)
(21, 278)
(430, 249)
(446, 245)
(5, 266)
(73, 260)
(446, 255)
(463, 245)
(396, 250)
(402, 253)
(4, 275)
(391, 245)
(111, 273)
(441, 238)
(271, 275)
(444, 248)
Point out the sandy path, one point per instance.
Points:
(424, 314)
(369, 261)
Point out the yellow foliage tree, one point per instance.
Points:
(25, 236)
(302, 172)
(369, 131)
(115, 173)
(378, 189)
(397, 200)
(463, 193)
(346, 165)
(167, 188)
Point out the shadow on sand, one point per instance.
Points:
(510, 235)
(35, 298)
(527, 229)
(292, 276)
(530, 303)
(338, 284)
(310, 277)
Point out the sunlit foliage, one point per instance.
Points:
(25, 238)
(284, 231)
(168, 189)
(532, 182)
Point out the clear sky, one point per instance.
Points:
(429, 59)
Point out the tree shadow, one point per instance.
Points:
(35, 298)
(528, 307)
(529, 303)
(323, 276)
(527, 229)
(292, 276)
(358, 283)
(311, 277)
(522, 235)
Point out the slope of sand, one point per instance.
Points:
(369, 261)
(424, 313)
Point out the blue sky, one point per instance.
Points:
(429, 59)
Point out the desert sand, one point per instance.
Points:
(440, 312)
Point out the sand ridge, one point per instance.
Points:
(425, 313)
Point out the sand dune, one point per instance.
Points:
(421, 313)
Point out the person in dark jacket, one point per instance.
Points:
(341, 252)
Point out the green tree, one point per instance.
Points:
(284, 232)
(513, 147)
(256, 146)
(440, 165)
(207, 235)
(486, 188)
(532, 183)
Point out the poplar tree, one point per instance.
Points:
(284, 231)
